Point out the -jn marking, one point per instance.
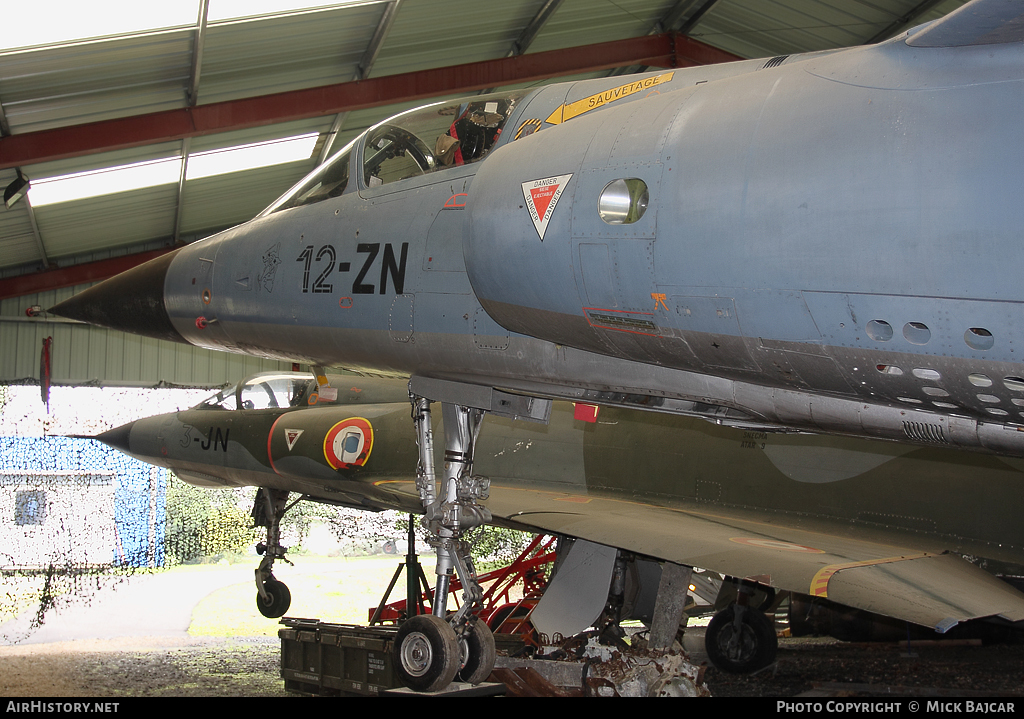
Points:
(390, 266)
(212, 440)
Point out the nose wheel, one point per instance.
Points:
(272, 596)
(278, 599)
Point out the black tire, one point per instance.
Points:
(477, 652)
(279, 599)
(744, 646)
(426, 653)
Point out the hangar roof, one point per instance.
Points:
(74, 92)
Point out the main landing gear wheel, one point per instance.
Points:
(476, 648)
(740, 640)
(279, 598)
(427, 653)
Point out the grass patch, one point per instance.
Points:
(339, 590)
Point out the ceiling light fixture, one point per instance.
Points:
(16, 190)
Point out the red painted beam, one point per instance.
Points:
(665, 50)
(75, 275)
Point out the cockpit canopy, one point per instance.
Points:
(264, 391)
(416, 142)
(435, 137)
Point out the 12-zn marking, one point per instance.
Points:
(390, 266)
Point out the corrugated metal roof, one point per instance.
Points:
(448, 32)
(579, 22)
(76, 84)
(262, 56)
(765, 28)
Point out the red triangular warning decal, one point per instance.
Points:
(541, 197)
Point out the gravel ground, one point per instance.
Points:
(144, 667)
(249, 667)
(880, 669)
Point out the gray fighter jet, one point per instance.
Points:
(825, 242)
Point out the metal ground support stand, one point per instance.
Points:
(273, 597)
(431, 650)
(413, 579)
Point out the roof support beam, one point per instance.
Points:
(690, 20)
(191, 99)
(36, 234)
(75, 275)
(379, 35)
(683, 16)
(665, 50)
(186, 146)
(903, 21)
(387, 19)
(529, 33)
(332, 135)
(197, 53)
(5, 129)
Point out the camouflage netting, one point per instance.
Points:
(78, 517)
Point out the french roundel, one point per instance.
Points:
(348, 443)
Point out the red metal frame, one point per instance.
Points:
(526, 569)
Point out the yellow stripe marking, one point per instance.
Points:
(564, 113)
(819, 583)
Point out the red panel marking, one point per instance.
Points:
(585, 412)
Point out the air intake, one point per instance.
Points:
(775, 61)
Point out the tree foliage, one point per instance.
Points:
(203, 522)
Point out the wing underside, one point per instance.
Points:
(931, 589)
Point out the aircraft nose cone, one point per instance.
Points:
(133, 301)
(118, 438)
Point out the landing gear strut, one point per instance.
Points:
(423, 649)
(272, 597)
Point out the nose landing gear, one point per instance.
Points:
(274, 600)
(272, 596)
(430, 651)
